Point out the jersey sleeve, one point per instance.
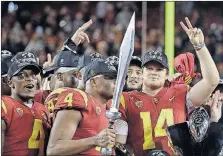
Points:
(72, 99)
(6, 110)
(122, 106)
(51, 99)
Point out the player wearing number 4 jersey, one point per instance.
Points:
(24, 122)
(149, 112)
(80, 125)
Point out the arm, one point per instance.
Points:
(201, 91)
(64, 127)
(80, 36)
(121, 131)
(3, 133)
(121, 138)
(72, 43)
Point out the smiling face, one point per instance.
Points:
(154, 75)
(134, 81)
(24, 84)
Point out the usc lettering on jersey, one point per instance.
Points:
(148, 116)
(25, 127)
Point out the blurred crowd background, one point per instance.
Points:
(42, 27)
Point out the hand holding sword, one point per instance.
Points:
(126, 51)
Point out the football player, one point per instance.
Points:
(66, 66)
(80, 126)
(24, 122)
(134, 75)
(149, 112)
(6, 57)
(83, 62)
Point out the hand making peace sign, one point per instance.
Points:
(195, 35)
(80, 36)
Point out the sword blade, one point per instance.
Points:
(125, 55)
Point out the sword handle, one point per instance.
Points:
(111, 124)
(107, 151)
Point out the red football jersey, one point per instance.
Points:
(148, 116)
(25, 131)
(94, 119)
(41, 96)
(51, 99)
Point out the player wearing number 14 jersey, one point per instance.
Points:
(148, 113)
(24, 122)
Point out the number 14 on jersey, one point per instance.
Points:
(166, 115)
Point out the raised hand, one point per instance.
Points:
(195, 35)
(48, 62)
(80, 36)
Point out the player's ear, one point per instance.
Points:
(78, 75)
(93, 82)
(10, 83)
(59, 76)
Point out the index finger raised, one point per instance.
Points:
(49, 58)
(86, 25)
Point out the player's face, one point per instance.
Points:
(154, 75)
(5, 89)
(134, 81)
(24, 84)
(106, 86)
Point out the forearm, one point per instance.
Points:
(72, 146)
(202, 90)
(208, 68)
(69, 45)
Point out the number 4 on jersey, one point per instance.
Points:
(37, 131)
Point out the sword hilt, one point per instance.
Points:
(112, 116)
(110, 125)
